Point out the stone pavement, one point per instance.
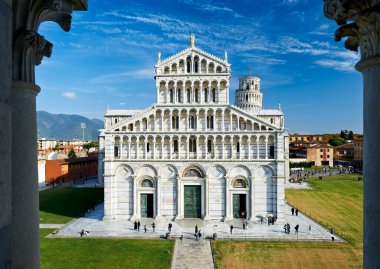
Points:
(93, 223)
(189, 253)
(51, 226)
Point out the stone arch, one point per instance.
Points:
(119, 171)
(168, 171)
(239, 170)
(263, 173)
(216, 171)
(193, 166)
(146, 170)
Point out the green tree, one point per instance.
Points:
(351, 135)
(92, 144)
(71, 154)
(337, 141)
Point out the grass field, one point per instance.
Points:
(88, 253)
(336, 201)
(60, 205)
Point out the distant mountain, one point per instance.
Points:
(62, 126)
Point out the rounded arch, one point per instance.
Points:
(216, 171)
(123, 171)
(168, 171)
(240, 182)
(239, 170)
(264, 172)
(141, 182)
(146, 170)
(198, 170)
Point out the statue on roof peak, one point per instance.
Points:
(192, 40)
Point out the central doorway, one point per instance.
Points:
(192, 201)
(146, 203)
(239, 205)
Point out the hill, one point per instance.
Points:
(62, 126)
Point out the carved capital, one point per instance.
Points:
(364, 28)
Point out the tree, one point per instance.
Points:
(351, 135)
(337, 141)
(71, 154)
(342, 134)
(92, 144)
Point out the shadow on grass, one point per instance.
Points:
(60, 205)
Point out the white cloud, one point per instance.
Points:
(123, 76)
(340, 65)
(69, 95)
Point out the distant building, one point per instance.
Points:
(71, 169)
(321, 155)
(344, 152)
(41, 172)
(358, 152)
(44, 144)
(306, 138)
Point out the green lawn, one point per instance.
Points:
(60, 205)
(336, 201)
(83, 253)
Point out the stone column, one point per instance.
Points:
(170, 121)
(170, 147)
(249, 148)
(230, 121)
(364, 31)
(223, 114)
(121, 149)
(135, 198)
(252, 192)
(179, 204)
(138, 148)
(257, 148)
(222, 148)
(228, 200)
(158, 197)
(154, 148)
(266, 148)
(129, 147)
(187, 147)
(206, 207)
(145, 147)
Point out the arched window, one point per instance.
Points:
(192, 172)
(256, 87)
(237, 147)
(209, 146)
(214, 95)
(188, 95)
(146, 183)
(196, 96)
(147, 147)
(196, 66)
(171, 96)
(192, 145)
(175, 122)
(239, 183)
(179, 96)
(115, 120)
(188, 66)
(175, 146)
(246, 97)
(210, 122)
(192, 122)
(271, 120)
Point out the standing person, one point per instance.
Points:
(231, 228)
(145, 228)
(138, 225)
(269, 220)
(154, 226)
(292, 211)
(309, 228)
(196, 229)
(288, 226)
(297, 212)
(170, 227)
(296, 228)
(135, 225)
(261, 219)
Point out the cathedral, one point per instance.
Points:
(192, 154)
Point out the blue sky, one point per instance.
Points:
(108, 56)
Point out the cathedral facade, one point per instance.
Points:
(193, 154)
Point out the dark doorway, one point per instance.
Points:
(146, 203)
(192, 201)
(239, 205)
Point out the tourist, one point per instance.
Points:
(309, 228)
(269, 220)
(135, 226)
(292, 211)
(200, 234)
(286, 228)
(296, 228)
(170, 227)
(297, 212)
(81, 233)
(231, 228)
(196, 229)
(261, 219)
(145, 228)
(138, 225)
(154, 226)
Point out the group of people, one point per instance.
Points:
(137, 224)
(294, 211)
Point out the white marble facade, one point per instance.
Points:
(192, 136)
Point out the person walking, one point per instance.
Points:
(196, 229)
(135, 225)
(292, 211)
(154, 226)
(138, 225)
(145, 228)
(296, 228)
(288, 228)
(231, 228)
(297, 212)
(261, 219)
(170, 227)
(309, 229)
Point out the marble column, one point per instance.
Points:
(179, 205)
(252, 193)
(206, 207)
(158, 197)
(359, 22)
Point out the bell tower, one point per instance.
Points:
(249, 96)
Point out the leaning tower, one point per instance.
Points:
(248, 96)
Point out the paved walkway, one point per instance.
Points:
(51, 226)
(93, 223)
(193, 254)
